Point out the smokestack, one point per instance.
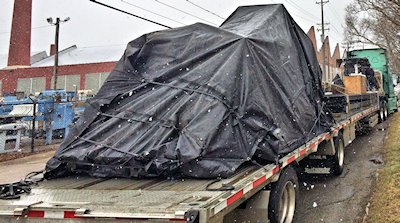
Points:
(52, 49)
(19, 53)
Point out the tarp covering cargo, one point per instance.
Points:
(201, 101)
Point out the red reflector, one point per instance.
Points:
(180, 220)
(136, 219)
(234, 197)
(302, 152)
(291, 159)
(327, 136)
(275, 170)
(69, 214)
(259, 181)
(35, 214)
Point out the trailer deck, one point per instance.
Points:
(344, 106)
(155, 200)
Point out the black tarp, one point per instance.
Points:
(200, 101)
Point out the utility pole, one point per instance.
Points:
(323, 29)
(348, 45)
(56, 55)
(48, 115)
(33, 130)
(57, 24)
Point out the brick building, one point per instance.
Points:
(80, 68)
(83, 68)
(331, 69)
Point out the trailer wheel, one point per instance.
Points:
(381, 115)
(283, 198)
(385, 111)
(337, 161)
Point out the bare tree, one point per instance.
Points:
(378, 23)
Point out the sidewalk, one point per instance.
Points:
(385, 203)
(15, 170)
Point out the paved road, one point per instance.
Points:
(344, 198)
(15, 170)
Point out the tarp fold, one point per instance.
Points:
(201, 101)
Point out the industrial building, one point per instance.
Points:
(330, 59)
(83, 68)
(78, 69)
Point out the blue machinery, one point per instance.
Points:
(53, 108)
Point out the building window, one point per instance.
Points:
(1, 87)
(67, 82)
(31, 85)
(94, 81)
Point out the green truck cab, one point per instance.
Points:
(379, 61)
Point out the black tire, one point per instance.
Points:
(385, 111)
(283, 197)
(381, 115)
(337, 161)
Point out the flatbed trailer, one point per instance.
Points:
(249, 195)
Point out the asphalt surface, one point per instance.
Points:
(344, 198)
(15, 170)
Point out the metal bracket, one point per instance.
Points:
(81, 211)
(326, 148)
(192, 216)
(21, 211)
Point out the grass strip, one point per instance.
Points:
(385, 202)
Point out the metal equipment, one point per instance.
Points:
(11, 132)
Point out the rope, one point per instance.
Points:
(136, 120)
(15, 190)
(110, 147)
(191, 90)
(316, 121)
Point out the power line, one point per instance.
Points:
(334, 38)
(146, 10)
(204, 9)
(139, 17)
(179, 10)
(38, 27)
(308, 14)
(310, 20)
(336, 15)
(301, 9)
(99, 46)
(322, 3)
(335, 18)
(335, 29)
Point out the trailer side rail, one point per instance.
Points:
(268, 174)
(220, 204)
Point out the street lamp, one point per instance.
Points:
(57, 24)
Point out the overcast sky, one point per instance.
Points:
(92, 25)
